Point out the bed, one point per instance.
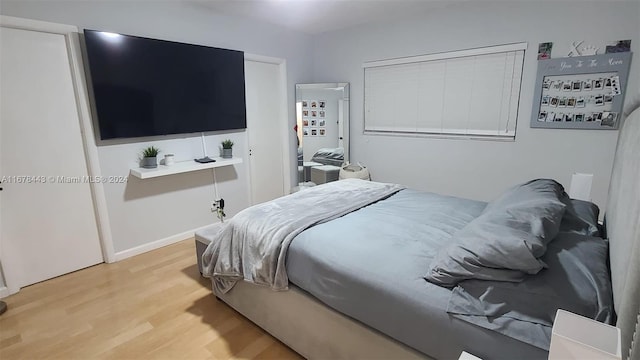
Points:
(404, 315)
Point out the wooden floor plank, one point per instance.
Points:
(151, 306)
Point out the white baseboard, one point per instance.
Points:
(4, 292)
(121, 255)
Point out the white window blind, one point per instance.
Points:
(469, 93)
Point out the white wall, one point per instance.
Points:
(143, 211)
(472, 168)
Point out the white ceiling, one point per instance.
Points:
(317, 16)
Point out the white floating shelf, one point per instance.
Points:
(182, 167)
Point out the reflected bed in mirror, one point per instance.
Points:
(322, 116)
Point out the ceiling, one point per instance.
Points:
(318, 16)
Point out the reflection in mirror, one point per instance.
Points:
(322, 116)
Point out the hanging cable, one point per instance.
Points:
(215, 184)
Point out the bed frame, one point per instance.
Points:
(316, 331)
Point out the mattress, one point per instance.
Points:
(372, 271)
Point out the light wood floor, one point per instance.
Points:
(154, 305)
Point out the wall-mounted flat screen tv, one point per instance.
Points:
(148, 87)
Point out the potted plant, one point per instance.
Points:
(150, 157)
(227, 149)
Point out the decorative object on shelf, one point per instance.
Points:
(585, 50)
(169, 160)
(585, 92)
(150, 157)
(589, 50)
(227, 149)
(573, 49)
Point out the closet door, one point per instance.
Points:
(265, 127)
(48, 225)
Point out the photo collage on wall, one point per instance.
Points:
(580, 98)
(313, 118)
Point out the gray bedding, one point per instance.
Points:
(373, 272)
(574, 280)
(369, 265)
(329, 156)
(253, 245)
(506, 241)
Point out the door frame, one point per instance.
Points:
(283, 123)
(72, 39)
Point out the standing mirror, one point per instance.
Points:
(322, 116)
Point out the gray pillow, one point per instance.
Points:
(580, 217)
(577, 280)
(506, 240)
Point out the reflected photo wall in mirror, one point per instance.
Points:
(322, 116)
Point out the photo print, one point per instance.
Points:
(579, 117)
(557, 85)
(305, 122)
(546, 84)
(597, 116)
(314, 122)
(598, 84)
(566, 86)
(576, 85)
(558, 117)
(542, 116)
(608, 119)
(607, 83)
(321, 113)
(567, 117)
(554, 101)
(322, 132)
(314, 113)
(608, 99)
(314, 132)
(618, 46)
(599, 100)
(322, 103)
(305, 113)
(321, 122)
(589, 117)
(305, 104)
(314, 104)
(551, 116)
(545, 100)
(305, 131)
(586, 85)
(544, 50)
(562, 102)
(580, 102)
(571, 102)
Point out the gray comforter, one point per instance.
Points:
(369, 265)
(253, 245)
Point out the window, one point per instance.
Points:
(472, 93)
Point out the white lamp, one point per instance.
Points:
(577, 337)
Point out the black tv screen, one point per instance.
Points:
(148, 87)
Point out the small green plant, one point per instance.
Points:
(227, 144)
(151, 151)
